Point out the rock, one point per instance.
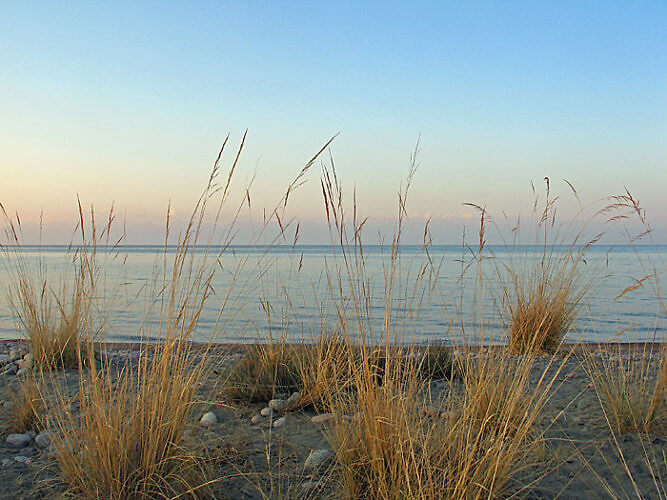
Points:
(23, 460)
(43, 439)
(321, 418)
(279, 422)
(256, 419)
(19, 440)
(294, 399)
(209, 418)
(267, 412)
(316, 459)
(278, 404)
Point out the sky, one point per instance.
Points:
(128, 102)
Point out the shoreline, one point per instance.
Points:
(575, 347)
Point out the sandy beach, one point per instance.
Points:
(255, 456)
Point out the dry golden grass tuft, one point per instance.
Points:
(387, 444)
(264, 371)
(480, 438)
(26, 407)
(280, 368)
(50, 317)
(632, 391)
(324, 371)
(542, 302)
(437, 363)
(51, 326)
(132, 429)
(541, 292)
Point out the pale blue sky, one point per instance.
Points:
(128, 101)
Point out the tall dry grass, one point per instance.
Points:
(632, 389)
(49, 315)
(128, 438)
(542, 290)
(26, 407)
(387, 442)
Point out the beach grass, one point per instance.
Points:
(26, 407)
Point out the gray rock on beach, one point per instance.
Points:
(278, 404)
(43, 439)
(321, 418)
(317, 458)
(267, 412)
(209, 418)
(256, 419)
(279, 422)
(294, 398)
(19, 440)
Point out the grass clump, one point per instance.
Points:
(264, 371)
(542, 292)
(542, 306)
(132, 429)
(26, 407)
(437, 363)
(633, 392)
(324, 370)
(52, 328)
(280, 369)
(484, 435)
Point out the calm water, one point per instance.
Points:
(303, 291)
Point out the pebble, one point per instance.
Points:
(267, 412)
(256, 419)
(208, 418)
(321, 418)
(278, 404)
(43, 439)
(19, 440)
(316, 459)
(294, 399)
(23, 460)
(279, 422)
